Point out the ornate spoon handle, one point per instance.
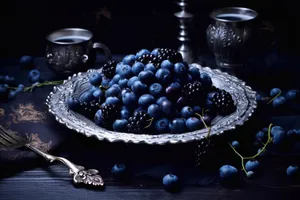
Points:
(80, 174)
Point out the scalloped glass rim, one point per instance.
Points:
(243, 95)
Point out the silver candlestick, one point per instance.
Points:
(185, 19)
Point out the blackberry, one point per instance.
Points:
(169, 54)
(147, 58)
(139, 123)
(202, 150)
(223, 103)
(109, 69)
(194, 92)
(89, 109)
(110, 113)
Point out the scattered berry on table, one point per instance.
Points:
(170, 182)
(278, 102)
(34, 76)
(250, 174)
(274, 92)
(292, 95)
(12, 95)
(261, 152)
(260, 135)
(224, 103)
(235, 144)
(279, 137)
(276, 128)
(109, 69)
(228, 174)
(293, 171)
(119, 170)
(9, 80)
(26, 62)
(252, 165)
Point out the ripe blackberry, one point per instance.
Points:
(194, 92)
(202, 151)
(109, 69)
(147, 58)
(139, 123)
(110, 113)
(169, 54)
(223, 103)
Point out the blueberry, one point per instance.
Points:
(112, 91)
(26, 62)
(166, 64)
(197, 109)
(129, 99)
(187, 112)
(252, 165)
(206, 81)
(193, 124)
(20, 88)
(292, 171)
(105, 81)
(150, 67)
(173, 90)
(3, 92)
(154, 111)
(73, 103)
(112, 100)
(195, 73)
(98, 94)
(95, 79)
(261, 152)
(180, 69)
(119, 170)
(170, 182)
(181, 102)
(118, 67)
(12, 95)
(9, 80)
(142, 52)
(146, 100)
(292, 95)
(99, 117)
(120, 125)
(129, 59)
(137, 68)
(210, 95)
(265, 130)
(160, 100)
(278, 137)
(209, 105)
(125, 113)
(155, 52)
(250, 174)
(125, 90)
(275, 128)
(228, 174)
(116, 78)
(156, 89)
(167, 107)
(146, 77)
(125, 71)
(123, 82)
(235, 144)
(177, 125)
(131, 81)
(138, 109)
(292, 133)
(278, 102)
(139, 88)
(86, 97)
(274, 92)
(260, 135)
(33, 73)
(162, 125)
(163, 76)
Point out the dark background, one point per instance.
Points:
(134, 24)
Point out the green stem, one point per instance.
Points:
(274, 97)
(209, 128)
(258, 153)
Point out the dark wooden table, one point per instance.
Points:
(40, 180)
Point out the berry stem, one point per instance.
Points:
(46, 83)
(274, 97)
(150, 123)
(209, 128)
(257, 154)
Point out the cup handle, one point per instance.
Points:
(268, 27)
(107, 53)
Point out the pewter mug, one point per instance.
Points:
(232, 35)
(71, 50)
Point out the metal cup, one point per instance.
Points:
(72, 50)
(232, 35)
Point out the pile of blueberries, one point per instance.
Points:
(9, 89)
(152, 93)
